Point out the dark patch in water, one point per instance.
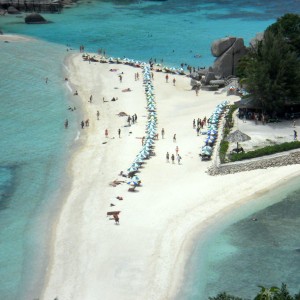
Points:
(7, 185)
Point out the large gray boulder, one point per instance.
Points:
(210, 75)
(258, 38)
(35, 18)
(12, 10)
(225, 65)
(220, 46)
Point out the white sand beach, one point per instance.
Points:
(144, 256)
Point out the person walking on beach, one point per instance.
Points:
(120, 77)
(162, 133)
(174, 81)
(295, 135)
(198, 130)
(119, 133)
(178, 158)
(116, 218)
(82, 124)
(176, 150)
(167, 78)
(174, 138)
(172, 158)
(91, 99)
(98, 114)
(194, 123)
(167, 157)
(106, 133)
(66, 123)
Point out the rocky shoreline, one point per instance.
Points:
(270, 161)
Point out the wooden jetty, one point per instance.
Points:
(54, 6)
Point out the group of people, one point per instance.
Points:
(132, 119)
(178, 157)
(85, 123)
(167, 79)
(200, 124)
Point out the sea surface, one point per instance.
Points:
(35, 146)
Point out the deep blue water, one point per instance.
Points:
(34, 144)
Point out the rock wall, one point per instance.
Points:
(276, 160)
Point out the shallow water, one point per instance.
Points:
(240, 254)
(34, 144)
(144, 29)
(33, 148)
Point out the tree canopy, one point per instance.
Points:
(272, 293)
(271, 69)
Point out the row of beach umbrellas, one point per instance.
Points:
(134, 63)
(212, 132)
(151, 126)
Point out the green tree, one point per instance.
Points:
(267, 293)
(224, 296)
(288, 26)
(271, 72)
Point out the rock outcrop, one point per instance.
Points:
(12, 10)
(228, 51)
(35, 18)
(258, 38)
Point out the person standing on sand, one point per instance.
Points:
(178, 158)
(167, 157)
(106, 133)
(82, 124)
(143, 139)
(167, 78)
(295, 135)
(119, 132)
(162, 133)
(176, 150)
(120, 76)
(91, 99)
(174, 81)
(172, 158)
(174, 138)
(98, 114)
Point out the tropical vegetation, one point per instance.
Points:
(271, 69)
(272, 293)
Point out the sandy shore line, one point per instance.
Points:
(143, 257)
(15, 38)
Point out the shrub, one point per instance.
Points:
(266, 151)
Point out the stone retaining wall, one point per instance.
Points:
(276, 160)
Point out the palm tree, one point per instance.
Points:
(267, 293)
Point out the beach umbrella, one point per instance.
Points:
(207, 148)
(131, 170)
(237, 137)
(212, 132)
(133, 182)
(136, 178)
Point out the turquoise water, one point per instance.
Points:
(34, 144)
(238, 254)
